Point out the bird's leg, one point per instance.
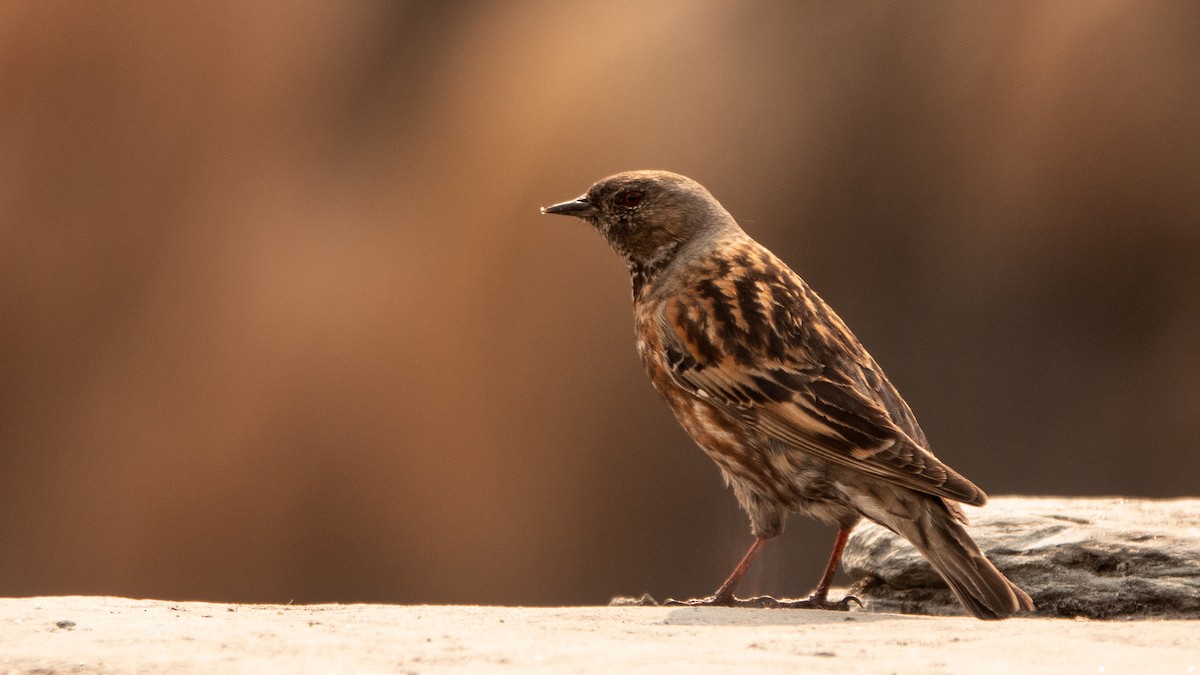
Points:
(820, 596)
(835, 557)
(818, 600)
(724, 595)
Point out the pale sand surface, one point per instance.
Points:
(131, 636)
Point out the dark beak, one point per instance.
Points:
(580, 208)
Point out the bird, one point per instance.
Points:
(775, 388)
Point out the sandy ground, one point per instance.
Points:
(97, 634)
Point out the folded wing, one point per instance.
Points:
(782, 361)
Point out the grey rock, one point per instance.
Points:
(1099, 558)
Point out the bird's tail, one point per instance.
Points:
(975, 581)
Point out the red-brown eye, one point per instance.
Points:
(632, 198)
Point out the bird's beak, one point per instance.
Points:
(580, 208)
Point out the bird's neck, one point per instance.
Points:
(644, 270)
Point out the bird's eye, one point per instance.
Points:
(632, 198)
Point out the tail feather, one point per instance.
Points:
(979, 586)
(975, 581)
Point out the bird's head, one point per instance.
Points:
(647, 216)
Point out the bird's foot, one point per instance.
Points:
(711, 601)
(821, 602)
(766, 601)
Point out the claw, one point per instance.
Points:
(844, 604)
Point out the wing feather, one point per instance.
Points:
(794, 372)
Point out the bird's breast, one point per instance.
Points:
(712, 428)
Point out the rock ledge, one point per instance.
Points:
(1099, 558)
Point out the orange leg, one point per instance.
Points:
(724, 595)
(839, 544)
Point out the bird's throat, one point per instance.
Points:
(643, 271)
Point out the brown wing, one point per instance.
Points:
(761, 345)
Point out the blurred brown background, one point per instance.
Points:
(279, 319)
